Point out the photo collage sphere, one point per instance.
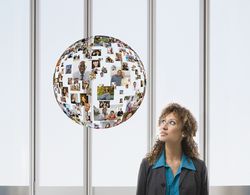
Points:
(99, 82)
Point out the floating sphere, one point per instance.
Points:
(99, 82)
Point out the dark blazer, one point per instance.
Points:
(153, 181)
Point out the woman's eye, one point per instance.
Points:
(163, 122)
(172, 122)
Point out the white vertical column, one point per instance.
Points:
(151, 72)
(204, 71)
(32, 97)
(87, 131)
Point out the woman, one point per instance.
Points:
(173, 166)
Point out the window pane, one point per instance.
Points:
(177, 55)
(229, 93)
(60, 140)
(15, 69)
(125, 145)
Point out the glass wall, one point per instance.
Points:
(117, 152)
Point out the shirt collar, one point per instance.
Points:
(160, 162)
(185, 162)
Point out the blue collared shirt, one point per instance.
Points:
(172, 182)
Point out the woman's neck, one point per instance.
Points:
(173, 152)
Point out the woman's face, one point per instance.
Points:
(95, 63)
(170, 129)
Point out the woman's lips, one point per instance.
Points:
(163, 134)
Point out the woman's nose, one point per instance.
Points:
(165, 127)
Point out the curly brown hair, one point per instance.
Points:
(189, 129)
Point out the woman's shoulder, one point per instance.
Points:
(145, 163)
(199, 163)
